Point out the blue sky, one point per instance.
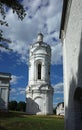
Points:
(42, 16)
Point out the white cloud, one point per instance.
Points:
(57, 54)
(54, 23)
(21, 90)
(58, 88)
(14, 79)
(42, 16)
(57, 100)
(15, 92)
(58, 94)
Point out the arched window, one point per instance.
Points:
(39, 71)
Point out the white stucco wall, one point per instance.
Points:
(4, 90)
(72, 53)
(60, 109)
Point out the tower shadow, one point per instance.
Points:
(32, 107)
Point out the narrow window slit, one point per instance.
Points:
(39, 71)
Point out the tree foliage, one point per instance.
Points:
(54, 111)
(17, 8)
(19, 106)
(13, 105)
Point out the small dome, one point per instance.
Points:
(40, 37)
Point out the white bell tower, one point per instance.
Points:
(39, 93)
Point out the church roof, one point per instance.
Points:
(5, 75)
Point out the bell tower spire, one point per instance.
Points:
(40, 37)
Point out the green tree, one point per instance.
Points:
(17, 8)
(13, 105)
(54, 110)
(21, 106)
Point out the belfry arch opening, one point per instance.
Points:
(39, 71)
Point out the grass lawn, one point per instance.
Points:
(21, 121)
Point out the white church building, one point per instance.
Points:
(39, 93)
(60, 109)
(71, 35)
(4, 90)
